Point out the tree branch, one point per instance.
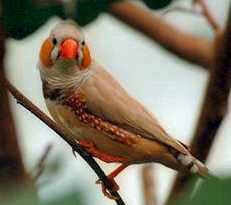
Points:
(208, 15)
(150, 197)
(181, 9)
(71, 140)
(12, 171)
(192, 48)
(214, 107)
(205, 13)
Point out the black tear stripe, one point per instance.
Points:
(52, 94)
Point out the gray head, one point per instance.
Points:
(64, 57)
(65, 43)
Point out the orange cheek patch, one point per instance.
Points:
(86, 57)
(45, 53)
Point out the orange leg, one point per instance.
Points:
(112, 180)
(95, 152)
(117, 171)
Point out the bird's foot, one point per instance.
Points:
(115, 186)
(106, 192)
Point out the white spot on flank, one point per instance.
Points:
(185, 159)
(194, 169)
(200, 163)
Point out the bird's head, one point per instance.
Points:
(64, 48)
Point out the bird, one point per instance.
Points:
(105, 119)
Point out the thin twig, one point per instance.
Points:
(71, 140)
(181, 9)
(208, 15)
(205, 12)
(214, 107)
(41, 163)
(192, 48)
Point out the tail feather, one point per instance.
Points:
(194, 165)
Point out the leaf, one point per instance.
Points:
(28, 197)
(88, 10)
(23, 17)
(212, 192)
(157, 4)
(21, 197)
(74, 198)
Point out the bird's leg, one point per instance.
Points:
(112, 180)
(95, 152)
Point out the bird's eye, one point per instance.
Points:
(54, 41)
(83, 43)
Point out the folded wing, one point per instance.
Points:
(107, 99)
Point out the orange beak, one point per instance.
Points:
(69, 49)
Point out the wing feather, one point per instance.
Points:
(107, 99)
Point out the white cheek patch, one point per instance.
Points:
(80, 60)
(54, 54)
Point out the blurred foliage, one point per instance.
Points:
(157, 4)
(89, 10)
(70, 199)
(23, 17)
(24, 198)
(27, 195)
(212, 192)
